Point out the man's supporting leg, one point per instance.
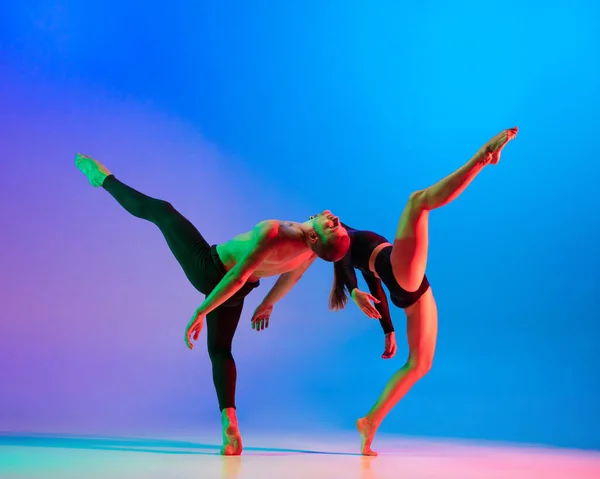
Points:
(221, 326)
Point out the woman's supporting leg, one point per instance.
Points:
(409, 254)
(421, 329)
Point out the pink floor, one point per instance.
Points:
(283, 457)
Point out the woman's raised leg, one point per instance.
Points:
(409, 254)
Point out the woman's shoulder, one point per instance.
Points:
(369, 236)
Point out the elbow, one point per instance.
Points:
(238, 278)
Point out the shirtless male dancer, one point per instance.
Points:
(227, 272)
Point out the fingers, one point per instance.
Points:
(374, 299)
(193, 331)
(389, 349)
(259, 324)
(371, 312)
(369, 309)
(389, 354)
(188, 338)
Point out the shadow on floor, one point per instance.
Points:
(156, 446)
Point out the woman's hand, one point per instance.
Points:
(390, 346)
(363, 301)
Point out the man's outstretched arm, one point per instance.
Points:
(234, 279)
(237, 276)
(286, 282)
(283, 285)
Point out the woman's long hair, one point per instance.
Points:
(338, 298)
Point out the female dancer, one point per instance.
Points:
(401, 267)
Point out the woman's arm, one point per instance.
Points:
(376, 289)
(345, 273)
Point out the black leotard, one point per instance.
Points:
(362, 244)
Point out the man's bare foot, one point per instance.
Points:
(490, 152)
(95, 171)
(366, 430)
(232, 440)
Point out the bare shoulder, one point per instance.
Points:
(267, 231)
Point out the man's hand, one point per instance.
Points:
(260, 318)
(193, 329)
(363, 301)
(390, 346)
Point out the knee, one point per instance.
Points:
(420, 366)
(417, 201)
(155, 210)
(218, 352)
(163, 214)
(164, 206)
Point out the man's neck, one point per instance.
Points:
(302, 230)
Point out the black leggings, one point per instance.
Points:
(202, 266)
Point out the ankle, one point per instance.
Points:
(229, 416)
(481, 159)
(371, 421)
(106, 179)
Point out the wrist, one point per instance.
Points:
(267, 302)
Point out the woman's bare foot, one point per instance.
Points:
(232, 440)
(95, 171)
(366, 430)
(492, 149)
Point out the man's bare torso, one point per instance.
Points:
(288, 251)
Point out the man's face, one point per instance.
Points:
(327, 225)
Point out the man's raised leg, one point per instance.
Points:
(185, 242)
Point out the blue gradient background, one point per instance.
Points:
(236, 113)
